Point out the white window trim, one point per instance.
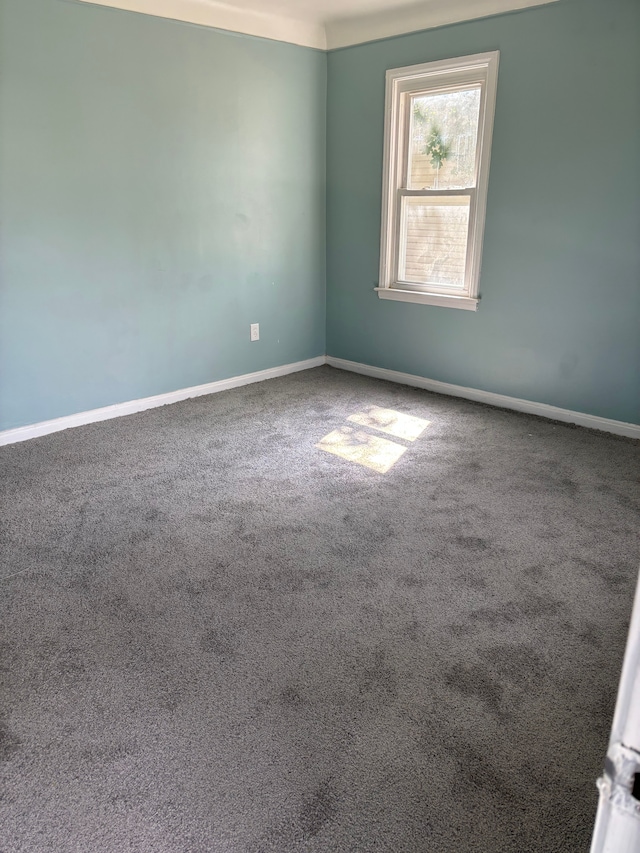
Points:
(480, 68)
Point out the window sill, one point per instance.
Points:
(467, 303)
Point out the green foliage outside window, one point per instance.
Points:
(437, 148)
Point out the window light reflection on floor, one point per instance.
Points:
(363, 448)
(357, 446)
(390, 421)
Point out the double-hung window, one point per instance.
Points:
(437, 147)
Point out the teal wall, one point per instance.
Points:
(559, 320)
(162, 186)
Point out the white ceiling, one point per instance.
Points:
(324, 24)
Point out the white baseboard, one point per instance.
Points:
(11, 436)
(501, 400)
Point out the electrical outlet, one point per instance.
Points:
(255, 331)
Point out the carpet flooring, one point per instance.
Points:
(223, 630)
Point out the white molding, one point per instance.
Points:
(501, 400)
(316, 30)
(224, 16)
(395, 21)
(444, 300)
(11, 436)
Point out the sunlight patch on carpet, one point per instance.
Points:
(388, 420)
(379, 454)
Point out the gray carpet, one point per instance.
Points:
(220, 637)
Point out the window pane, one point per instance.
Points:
(442, 140)
(434, 240)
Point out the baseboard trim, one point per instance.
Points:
(11, 436)
(500, 400)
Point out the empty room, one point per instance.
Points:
(319, 425)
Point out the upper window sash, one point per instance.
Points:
(405, 125)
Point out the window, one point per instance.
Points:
(437, 146)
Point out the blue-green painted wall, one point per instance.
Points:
(559, 320)
(162, 186)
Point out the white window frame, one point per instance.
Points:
(401, 84)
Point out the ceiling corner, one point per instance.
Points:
(413, 17)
